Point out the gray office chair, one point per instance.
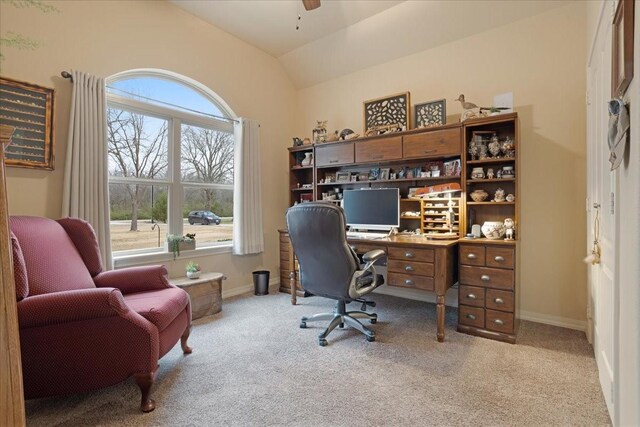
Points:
(330, 268)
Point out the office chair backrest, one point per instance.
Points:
(318, 235)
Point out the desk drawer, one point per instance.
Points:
(284, 238)
(413, 254)
(471, 316)
(470, 295)
(487, 277)
(410, 281)
(499, 321)
(411, 267)
(432, 144)
(499, 257)
(377, 150)
(285, 256)
(334, 154)
(472, 255)
(500, 300)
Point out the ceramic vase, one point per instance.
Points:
(193, 274)
(308, 159)
(493, 230)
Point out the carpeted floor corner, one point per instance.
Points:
(253, 366)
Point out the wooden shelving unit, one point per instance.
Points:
(300, 175)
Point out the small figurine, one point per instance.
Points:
(499, 196)
(499, 173)
(510, 197)
(471, 110)
(494, 146)
(510, 228)
(490, 173)
(320, 132)
(473, 149)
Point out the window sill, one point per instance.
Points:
(123, 261)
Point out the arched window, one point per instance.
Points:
(171, 148)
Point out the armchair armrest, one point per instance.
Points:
(70, 306)
(134, 279)
(374, 255)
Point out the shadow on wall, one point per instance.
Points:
(552, 223)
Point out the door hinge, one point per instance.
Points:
(613, 203)
(588, 98)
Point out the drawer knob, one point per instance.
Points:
(408, 254)
(485, 278)
(498, 322)
(471, 296)
(408, 282)
(333, 161)
(408, 268)
(471, 256)
(471, 316)
(499, 301)
(499, 258)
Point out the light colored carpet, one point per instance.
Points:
(253, 366)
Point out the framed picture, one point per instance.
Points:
(363, 176)
(374, 174)
(29, 109)
(622, 55)
(452, 168)
(432, 113)
(387, 111)
(384, 173)
(343, 176)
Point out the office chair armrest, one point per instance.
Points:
(373, 256)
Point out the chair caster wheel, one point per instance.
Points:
(371, 339)
(322, 342)
(341, 325)
(372, 321)
(373, 304)
(303, 325)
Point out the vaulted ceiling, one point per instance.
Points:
(343, 36)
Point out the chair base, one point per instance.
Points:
(340, 317)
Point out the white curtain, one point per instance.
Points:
(247, 198)
(86, 187)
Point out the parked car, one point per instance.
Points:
(203, 217)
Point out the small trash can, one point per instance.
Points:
(261, 282)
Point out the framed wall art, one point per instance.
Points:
(432, 113)
(29, 109)
(622, 54)
(387, 111)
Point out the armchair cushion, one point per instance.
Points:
(159, 307)
(134, 279)
(84, 238)
(39, 239)
(19, 269)
(70, 306)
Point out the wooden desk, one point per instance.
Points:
(412, 262)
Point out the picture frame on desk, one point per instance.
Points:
(384, 174)
(306, 197)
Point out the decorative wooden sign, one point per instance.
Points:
(430, 114)
(388, 111)
(29, 109)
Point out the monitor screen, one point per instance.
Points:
(372, 209)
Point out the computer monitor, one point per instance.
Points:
(372, 209)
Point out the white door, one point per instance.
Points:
(601, 197)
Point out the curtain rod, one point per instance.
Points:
(67, 75)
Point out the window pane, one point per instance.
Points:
(208, 213)
(137, 145)
(135, 209)
(207, 155)
(165, 93)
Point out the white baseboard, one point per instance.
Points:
(245, 289)
(547, 319)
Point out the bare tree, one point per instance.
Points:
(136, 150)
(207, 156)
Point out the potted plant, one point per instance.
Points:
(193, 270)
(181, 243)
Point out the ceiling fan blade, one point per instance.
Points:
(311, 4)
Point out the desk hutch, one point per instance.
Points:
(486, 269)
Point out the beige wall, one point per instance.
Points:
(108, 37)
(542, 60)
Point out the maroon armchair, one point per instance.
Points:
(82, 328)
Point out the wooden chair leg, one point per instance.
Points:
(145, 381)
(183, 341)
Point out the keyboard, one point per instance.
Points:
(364, 235)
